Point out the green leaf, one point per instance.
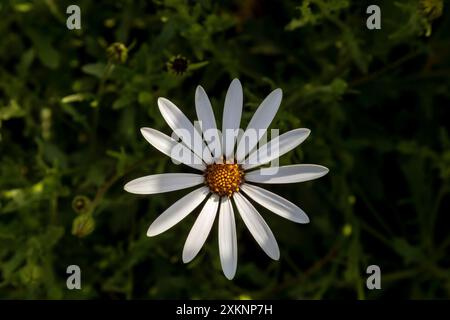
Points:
(95, 69)
(45, 51)
(197, 65)
(77, 97)
(13, 110)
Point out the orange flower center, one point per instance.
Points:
(224, 179)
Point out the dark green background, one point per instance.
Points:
(376, 102)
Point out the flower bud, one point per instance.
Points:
(177, 65)
(83, 225)
(81, 204)
(117, 53)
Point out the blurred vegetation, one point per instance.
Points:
(72, 103)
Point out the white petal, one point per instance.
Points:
(177, 212)
(170, 147)
(165, 182)
(227, 238)
(231, 116)
(206, 115)
(287, 174)
(184, 129)
(201, 228)
(257, 226)
(275, 203)
(259, 124)
(276, 148)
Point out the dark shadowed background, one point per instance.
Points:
(72, 103)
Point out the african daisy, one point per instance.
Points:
(228, 165)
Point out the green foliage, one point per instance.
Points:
(72, 103)
(324, 10)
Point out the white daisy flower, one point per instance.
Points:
(227, 173)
